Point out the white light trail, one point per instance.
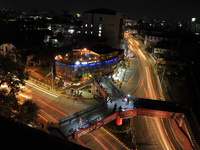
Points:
(41, 89)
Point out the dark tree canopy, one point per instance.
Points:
(13, 75)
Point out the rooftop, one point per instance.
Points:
(101, 11)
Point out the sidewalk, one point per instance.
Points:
(118, 77)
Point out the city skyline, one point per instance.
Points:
(157, 9)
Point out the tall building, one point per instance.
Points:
(104, 23)
(195, 26)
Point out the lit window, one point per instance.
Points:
(91, 32)
(91, 25)
(86, 25)
(85, 32)
(99, 34)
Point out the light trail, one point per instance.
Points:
(115, 138)
(51, 102)
(158, 134)
(49, 115)
(38, 99)
(160, 127)
(139, 88)
(99, 142)
(146, 92)
(131, 76)
(41, 89)
(42, 117)
(150, 132)
(167, 133)
(141, 78)
(148, 84)
(141, 54)
(81, 143)
(106, 140)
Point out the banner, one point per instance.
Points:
(95, 126)
(154, 113)
(103, 93)
(128, 114)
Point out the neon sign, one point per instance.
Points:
(85, 50)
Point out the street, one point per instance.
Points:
(54, 106)
(140, 81)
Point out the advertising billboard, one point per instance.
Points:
(95, 126)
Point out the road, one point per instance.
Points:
(140, 81)
(100, 139)
(53, 106)
(150, 132)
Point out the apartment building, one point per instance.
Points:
(104, 23)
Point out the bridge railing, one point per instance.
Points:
(191, 122)
(78, 114)
(118, 90)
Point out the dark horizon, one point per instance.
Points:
(166, 9)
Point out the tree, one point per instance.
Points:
(8, 104)
(27, 112)
(13, 75)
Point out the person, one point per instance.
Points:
(80, 121)
(120, 109)
(115, 107)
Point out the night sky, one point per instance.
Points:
(166, 9)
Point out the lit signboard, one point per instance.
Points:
(95, 126)
(85, 50)
(84, 63)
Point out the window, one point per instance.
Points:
(86, 25)
(91, 32)
(85, 32)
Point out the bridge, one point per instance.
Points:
(90, 119)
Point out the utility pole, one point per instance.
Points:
(52, 76)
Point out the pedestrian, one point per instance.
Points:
(115, 107)
(120, 109)
(80, 121)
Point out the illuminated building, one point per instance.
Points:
(82, 64)
(104, 23)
